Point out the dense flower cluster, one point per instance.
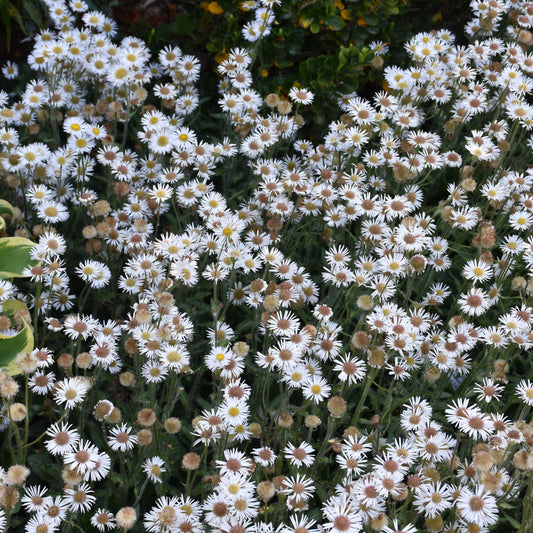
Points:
(270, 302)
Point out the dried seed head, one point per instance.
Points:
(144, 438)
(285, 420)
(146, 417)
(173, 425)
(312, 421)
(266, 490)
(17, 474)
(126, 517)
(190, 461)
(337, 406)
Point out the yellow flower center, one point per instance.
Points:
(233, 411)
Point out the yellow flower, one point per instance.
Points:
(345, 14)
(215, 8)
(221, 56)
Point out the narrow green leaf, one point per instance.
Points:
(33, 12)
(512, 521)
(6, 22)
(14, 13)
(506, 506)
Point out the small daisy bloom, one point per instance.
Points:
(298, 488)
(264, 456)
(477, 271)
(103, 520)
(477, 506)
(80, 498)
(34, 498)
(120, 438)
(474, 302)
(303, 454)
(153, 468)
(488, 390)
(63, 438)
(316, 389)
(301, 96)
(71, 391)
(83, 457)
(524, 391)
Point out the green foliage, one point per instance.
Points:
(5, 209)
(319, 44)
(14, 251)
(303, 48)
(14, 258)
(12, 345)
(25, 15)
(328, 73)
(324, 46)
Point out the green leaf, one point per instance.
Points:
(96, 434)
(183, 24)
(506, 506)
(325, 78)
(372, 20)
(10, 347)
(13, 12)
(512, 521)
(35, 15)
(315, 27)
(336, 23)
(342, 59)
(40, 466)
(284, 63)
(117, 478)
(314, 85)
(10, 307)
(6, 208)
(330, 63)
(6, 22)
(15, 256)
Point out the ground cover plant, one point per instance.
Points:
(248, 329)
